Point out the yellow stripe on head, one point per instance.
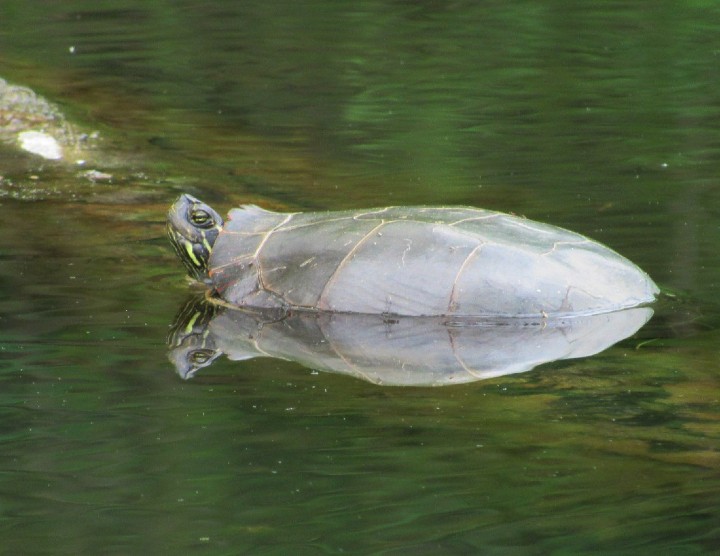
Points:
(189, 251)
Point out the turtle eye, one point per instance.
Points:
(201, 218)
(200, 356)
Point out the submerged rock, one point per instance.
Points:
(34, 125)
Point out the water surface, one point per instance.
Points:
(601, 119)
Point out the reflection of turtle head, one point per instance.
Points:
(193, 227)
(190, 346)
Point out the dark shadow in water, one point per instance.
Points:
(391, 350)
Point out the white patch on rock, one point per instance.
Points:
(40, 143)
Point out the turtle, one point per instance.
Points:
(402, 260)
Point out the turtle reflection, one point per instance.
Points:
(401, 351)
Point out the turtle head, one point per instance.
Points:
(193, 227)
(191, 343)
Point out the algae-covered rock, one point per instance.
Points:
(36, 126)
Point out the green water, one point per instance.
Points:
(602, 119)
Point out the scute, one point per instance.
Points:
(288, 255)
(419, 261)
(403, 267)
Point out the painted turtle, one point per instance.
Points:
(402, 260)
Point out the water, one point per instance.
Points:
(601, 119)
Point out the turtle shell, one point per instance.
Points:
(418, 261)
